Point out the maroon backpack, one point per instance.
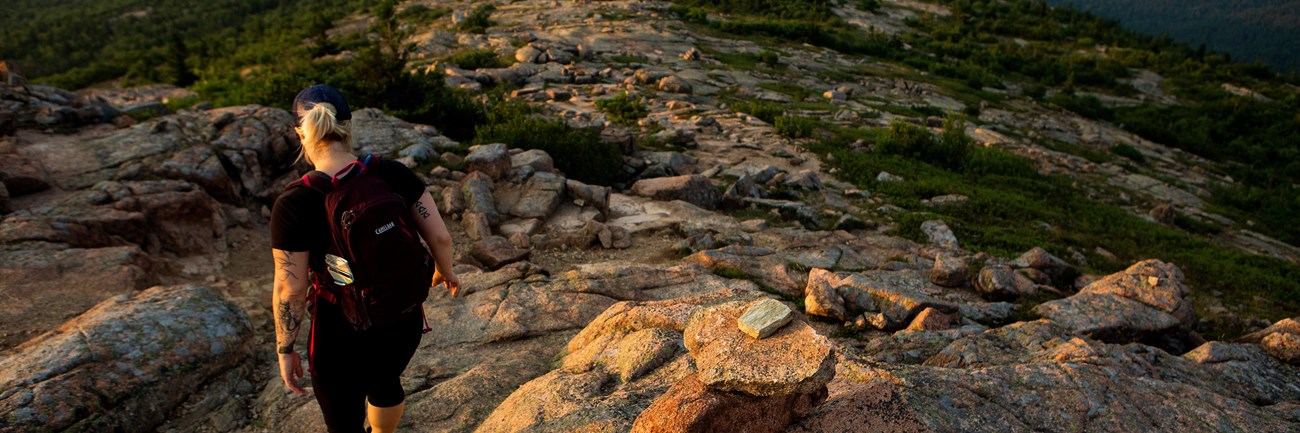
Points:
(375, 268)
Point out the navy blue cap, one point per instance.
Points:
(316, 94)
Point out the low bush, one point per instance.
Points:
(764, 110)
(1129, 152)
(623, 109)
(795, 126)
(477, 59)
(579, 153)
(477, 21)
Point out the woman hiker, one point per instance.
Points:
(363, 332)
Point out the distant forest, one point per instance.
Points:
(1248, 30)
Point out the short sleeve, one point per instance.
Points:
(402, 180)
(297, 220)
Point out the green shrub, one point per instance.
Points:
(1129, 152)
(948, 150)
(623, 109)
(477, 59)
(477, 21)
(1086, 106)
(764, 110)
(795, 126)
(579, 153)
(421, 14)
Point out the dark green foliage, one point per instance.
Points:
(795, 126)
(1129, 152)
(1086, 106)
(764, 110)
(477, 59)
(82, 42)
(1012, 208)
(477, 21)
(908, 140)
(579, 153)
(749, 61)
(1246, 28)
(804, 21)
(421, 14)
(623, 108)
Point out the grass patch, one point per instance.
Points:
(1129, 152)
(623, 109)
(764, 110)
(749, 61)
(477, 21)
(1012, 208)
(579, 153)
(795, 91)
(478, 59)
(795, 126)
(421, 14)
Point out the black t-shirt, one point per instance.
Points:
(298, 221)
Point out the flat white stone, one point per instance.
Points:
(764, 318)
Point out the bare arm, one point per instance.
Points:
(434, 232)
(289, 304)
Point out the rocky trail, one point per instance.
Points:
(136, 279)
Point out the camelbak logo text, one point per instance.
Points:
(381, 230)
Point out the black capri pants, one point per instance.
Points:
(349, 368)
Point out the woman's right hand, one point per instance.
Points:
(449, 279)
(291, 371)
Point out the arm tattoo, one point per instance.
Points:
(284, 267)
(424, 211)
(288, 322)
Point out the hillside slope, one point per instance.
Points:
(1263, 30)
(958, 206)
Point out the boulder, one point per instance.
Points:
(794, 360)
(690, 406)
(490, 159)
(453, 201)
(1281, 340)
(496, 251)
(476, 225)
(939, 234)
(1002, 282)
(761, 264)
(949, 271)
(694, 189)
(675, 84)
(119, 366)
(744, 188)
(540, 195)
(529, 54)
(885, 300)
(537, 159)
(590, 195)
(22, 175)
(931, 319)
(1148, 299)
(645, 350)
(1062, 274)
(477, 190)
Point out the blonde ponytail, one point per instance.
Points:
(320, 127)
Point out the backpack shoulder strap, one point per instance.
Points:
(314, 180)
